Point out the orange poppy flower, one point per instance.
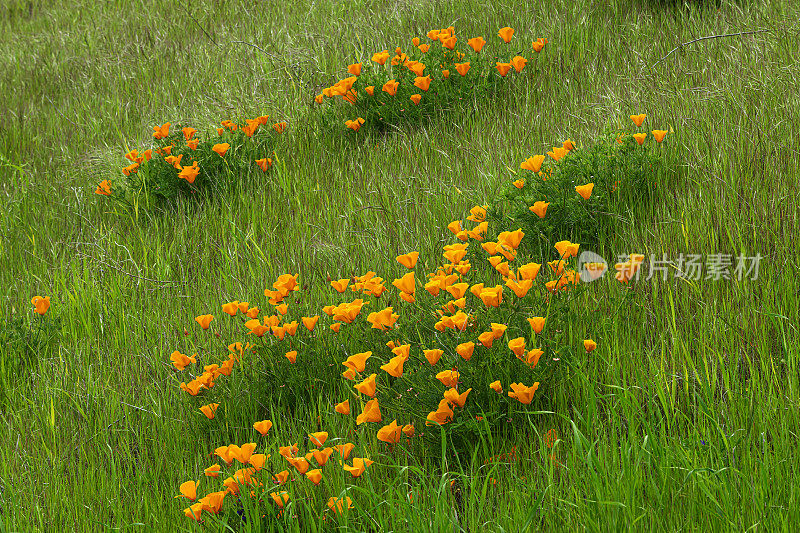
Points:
(204, 320)
(585, 190)
(391, 87)
(449, 42)
(354, 125)
(220, 131)
(381, 57)
(210, 410)
(280, 127)
(371, 413)
(568, 144)
(213, 471)
(520, 287)
(395, 366)
(221, 148)
(589, 344)
(522, 393)
(315, 476)
(338, 505)
(370, 90)
(528, 271)
(336, 326)
(159, 132)
(310, 322)
(422, 82)
(188, 490)
(433, 356)
(462, 68)
(533, 164)
(638, 119)
(537, 323)
(406, 284)
(367, 386)
(538, 44)
(408, 260)
(503, 68)
(477, 43)
(180, 361)
(452, 396)
(41, 305)
(345, 449)
(520, 183)
(517, 346)
(103, 188)
(359, 466)
(291, 356)
(264, 163)
(466, 350)
(640, 137)
(390, 433)
(357, 361)
(496, 386)
(448, 378)
(416, 98)
(519, 62)
(319, 98)
(280, 498)
(539, 208)
(263, 426)
(445, 74)
(343, 407)
(189, 173)
(532, 357)
(318, 438)
(188, 132)
(354, 69)
(659, 135)
(441, 416)
(506, 34)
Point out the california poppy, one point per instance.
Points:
(291, 356)
(522, 393)
(41, 305)
(280, 498)
(319, 98)
(462, 68)
(638, 119)
(503, 68)
(566, 249)
(159, 132)
(371, 412)
(406, 283)
(338, 505)
(477, 43)
(367, 386)
(381, 57)
(188, 490)
(433, 355)
(520, 183)
(210, 410)
(528, 271)
(442, 415)
(315, 476)
(408, 260)
(532, 357)
(452, 396)
(416, 98)
(519, 62)
(466, 350)
(212, 471)
(280, 127)
(659, 135)
(395, 366)
(354, 69)
(448, 378)
(359, 466)
(354, 125)
(390, 433)
(585, 190)
(345, 449)
(538, 44)
(318, 438)
(539, 208)
(506, 34)
(357, 361)
(264, 163)
(343, 407)
(204, 320)
(103, 188)
(391, 87)
(533, 164)
(449, 42)
(537, 323)
(640, 137)
(589, 344)
(496, 386)
(263, 426)
(188, 132)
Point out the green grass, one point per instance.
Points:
(685, 417)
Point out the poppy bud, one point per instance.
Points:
(329, 278)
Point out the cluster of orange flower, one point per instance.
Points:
(190, 172)
(349, 89)
(254, 464)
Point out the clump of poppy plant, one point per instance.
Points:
(581, 191)
(183, 161)
(424, 75)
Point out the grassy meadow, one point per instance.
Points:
(686, 416)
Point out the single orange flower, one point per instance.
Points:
(433, 356)
(466, 350)
(423, 83)
(264, 163)
(452, 396)
(343, 407)
(537, 323)
(210, 410)
(522, 393)
(449, 42)
(477, 43)
(390, 433)
(221, 148)
(496, 386)
(640, 137)
(503, 68)
(519, 62)
(585, 190)
(408, 260)
(354, 125)
(263, 426)
(318, 438)
(188, 132)
(517, 346)
(506, 34)
(280, 127)
(538, 44)
(416, 98)
(159, 132)
(638, 119)
(359, 466)
(381, 57)
(391, 87)
(462, 68)
(659, 135)
(371, 413)
(354, 69)
(204, 320)
(188, 490)
(539, 208)
(589, 344)
(103, 188)
(367, 386)
(213, 470)
(448, 378)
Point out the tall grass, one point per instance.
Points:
(685, 417)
